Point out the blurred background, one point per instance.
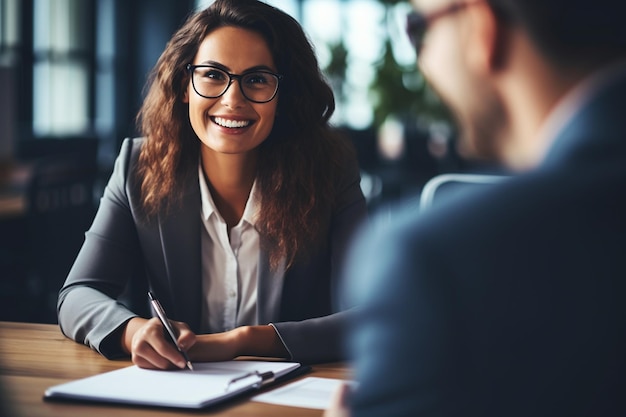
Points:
(72, 74)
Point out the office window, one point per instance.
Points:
(9, 30)
(105, 87)
(357, 33)
(288, 6)
(9, 48)
(62, 55)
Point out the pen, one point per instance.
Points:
(168, 327)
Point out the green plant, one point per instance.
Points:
(398, 90)
(403, 92)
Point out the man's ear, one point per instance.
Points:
(489, 39)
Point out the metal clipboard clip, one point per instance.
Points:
(262, 379)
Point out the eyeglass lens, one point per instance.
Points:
(417, 23)
(211, 82)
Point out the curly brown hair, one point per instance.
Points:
(297, 162)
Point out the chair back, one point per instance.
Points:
(445, 186)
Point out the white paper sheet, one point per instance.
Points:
(208, 384)
(310, 392)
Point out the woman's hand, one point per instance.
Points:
(242, 341)
(150, 348)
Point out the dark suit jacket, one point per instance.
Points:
(508, 302)
(123, 255)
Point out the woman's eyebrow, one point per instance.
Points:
(215, 64)
(260, 68)
(227, 69)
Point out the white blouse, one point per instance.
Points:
(230, 265)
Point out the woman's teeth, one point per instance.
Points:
(231, 123)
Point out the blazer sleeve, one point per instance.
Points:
(88, 308)
(320, 339)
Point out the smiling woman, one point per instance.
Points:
(235, 209)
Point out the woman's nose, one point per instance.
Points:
(233, 97)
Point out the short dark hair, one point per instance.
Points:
(570, 31)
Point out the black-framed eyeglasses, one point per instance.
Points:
(258, 86)
(417, 23)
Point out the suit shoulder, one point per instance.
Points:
(132, 146)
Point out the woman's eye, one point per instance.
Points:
(257, 78)
(212, 75)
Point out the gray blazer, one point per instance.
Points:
(123, 256)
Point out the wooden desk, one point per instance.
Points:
(36, 356)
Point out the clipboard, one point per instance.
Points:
(210, 383)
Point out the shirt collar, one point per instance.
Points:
(208, 205)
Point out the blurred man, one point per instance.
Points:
(509, 302)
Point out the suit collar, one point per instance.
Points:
(579, 96)
(180, 240)
(595, 123)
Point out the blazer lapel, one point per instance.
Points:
(269, 290)
(180, 241)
